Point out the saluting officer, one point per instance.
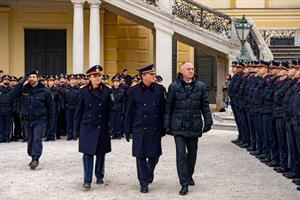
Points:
(144, 120)
(37, 112)
(91, 121)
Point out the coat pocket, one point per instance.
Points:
(176, 122)
(197, 123)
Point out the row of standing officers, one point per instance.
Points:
(265, 100)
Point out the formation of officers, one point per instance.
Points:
(265, 100)
(88, 108)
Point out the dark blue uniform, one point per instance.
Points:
(296, 121)
(288, 113)
(71, 96)
(118, 109)
(144, 120)
(91, 121)
(51, 131)
(6, 110)
(37, 113)
(280, 88)
(270, 146)
(233, 89)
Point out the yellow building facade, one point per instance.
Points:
(124, 44)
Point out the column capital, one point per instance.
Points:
(163, 28)
(78, 2)
(94, 2)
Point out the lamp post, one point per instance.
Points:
(243, 30)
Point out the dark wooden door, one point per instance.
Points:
(45, 51)
(205, 67)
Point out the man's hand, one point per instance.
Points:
(127, 136)
(206, 129)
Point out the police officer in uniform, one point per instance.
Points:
(51, 131)
(6, 110)
(187, 103)
(37, 112)
(144, 120)
(71, 95)
(118, 109)
(91, 121)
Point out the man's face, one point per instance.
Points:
(62, 80)
(263, 70)
(72, 81)
(125, 73)
(233, 69)
(292, 71)
(281, 72)
(116, 83)
(32, 79)
(50, 83)
(56, 82)
(149, 77)
(95, 79)
(273, 71)
(187, 70)
(6, 82)
(13, 83)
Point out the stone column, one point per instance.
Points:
(163, 53)
(297, 37)
(94, 40)
(78, 36)
(221, 73)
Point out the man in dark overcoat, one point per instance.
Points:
(144, 120)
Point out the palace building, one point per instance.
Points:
(69, 36)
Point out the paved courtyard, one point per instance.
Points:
(223, 171)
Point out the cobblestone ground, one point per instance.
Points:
(223, 171)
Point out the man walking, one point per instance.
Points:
(144, 120)
(187, 102)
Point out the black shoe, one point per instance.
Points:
(254, 153)
(273, 163)
(291, 175)
(184, 190)
(74, 138)
(250, 149)
(266, 160)
(296, 181)
(99, 181)
(281, 169)
(298, 188)
(261, 156)
(47, 140)
(192, 182)
(68, 139)
(34, 164)
(144, 189)
(240, 143)
(235, 141)
(244, 145)
(30, 162)
(58, 137)
(86, 185)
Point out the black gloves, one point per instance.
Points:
(206, 128)
(127, 136)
